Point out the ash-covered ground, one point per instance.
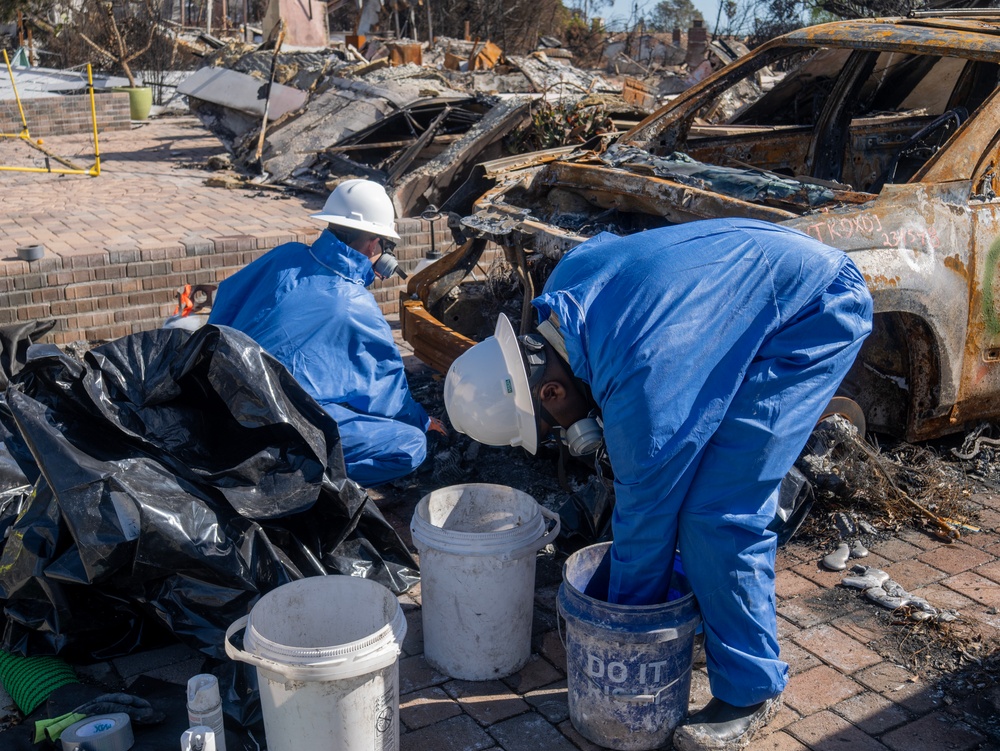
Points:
(867, 492)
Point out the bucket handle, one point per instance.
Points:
(262, 662)
(552, 518)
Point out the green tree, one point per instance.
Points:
(673, 14)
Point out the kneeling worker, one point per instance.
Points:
(308, 306)
(703, 354)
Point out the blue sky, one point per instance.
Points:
(622, 8)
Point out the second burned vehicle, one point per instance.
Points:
(883, 139)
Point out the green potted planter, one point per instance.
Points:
(140, 99)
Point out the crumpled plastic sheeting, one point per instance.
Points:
(743, 183)
(182, 475)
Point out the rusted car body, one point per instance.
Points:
(882, 140)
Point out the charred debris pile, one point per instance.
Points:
(414, 118)
(417, 117)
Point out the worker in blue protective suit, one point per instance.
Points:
(308, 306)
(702, 355)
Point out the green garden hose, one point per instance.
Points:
(30, 680)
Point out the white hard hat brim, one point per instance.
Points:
(376, 229)
(523, 403)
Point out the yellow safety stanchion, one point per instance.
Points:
(25, 135)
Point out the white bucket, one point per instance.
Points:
(326, 650)
(477, 546)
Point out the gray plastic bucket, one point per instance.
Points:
(628, 667)
(477, 545)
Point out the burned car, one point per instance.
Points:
(882, 139)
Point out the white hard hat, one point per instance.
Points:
(487, 395)
(363, 205)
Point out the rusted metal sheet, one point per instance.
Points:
(405, 54)
(615, 188)
(925, 37)
(486, 58)
(433, 342)
(498, 167)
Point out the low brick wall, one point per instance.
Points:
(65, 115)
(109, 294)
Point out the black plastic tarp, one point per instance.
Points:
(177, 477)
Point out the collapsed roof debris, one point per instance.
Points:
(431, 183)
(559, 77)
(414, 128)
(343, 107)
(231, 104)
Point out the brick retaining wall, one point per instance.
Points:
(108, 294)
(65, 115)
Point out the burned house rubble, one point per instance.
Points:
(417, 128)
(880, 140)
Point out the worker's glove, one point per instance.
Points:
(138, 710)
(438, 427)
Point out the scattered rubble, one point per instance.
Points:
(417, 123)
(880, 589)
(837, 560)
(907, 484)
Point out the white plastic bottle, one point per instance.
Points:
(204, 706)
(199, 738)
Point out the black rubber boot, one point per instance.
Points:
(723, 727)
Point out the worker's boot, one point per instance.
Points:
(723, 727)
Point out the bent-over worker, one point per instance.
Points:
(308, 306)
(705, 353)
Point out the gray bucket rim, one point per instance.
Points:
(514, 542)
(614, 607)
(371, 652)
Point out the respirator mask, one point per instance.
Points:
(387, 265)
(583, 436)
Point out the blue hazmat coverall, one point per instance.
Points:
(711, 349)
(310, 309)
